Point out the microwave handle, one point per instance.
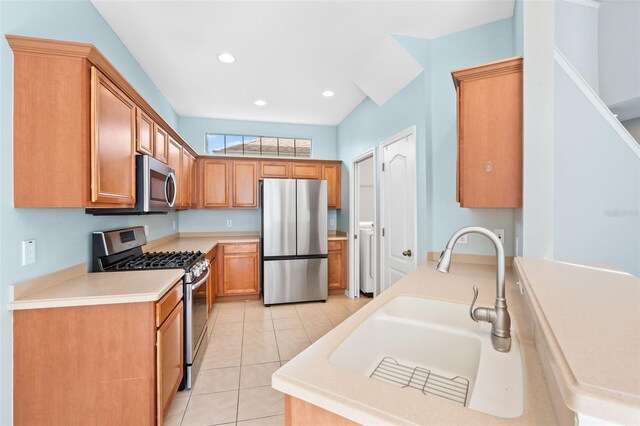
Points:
(170, 177)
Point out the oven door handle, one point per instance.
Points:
(195, 286)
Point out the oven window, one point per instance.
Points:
(200, 313)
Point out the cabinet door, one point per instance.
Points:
(245, 184)
(275, 169)
(113, 123)
(240, 269)
(174, 160)
(212, 282)
(215, 183)
(169, 360)
(144, 133)
(192, 180)
(305, 171)
(185, 184)
(331, 173)
(335, 266)
(161, 142)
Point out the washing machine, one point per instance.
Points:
(365, 235)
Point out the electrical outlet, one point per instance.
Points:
(463, 239)
(332, 222)
(174, 225)
(146, 231)
(229, 223)
(28, 252)
(500, 234)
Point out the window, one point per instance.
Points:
(257, 146)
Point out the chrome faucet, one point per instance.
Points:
(499, 316)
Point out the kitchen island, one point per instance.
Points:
(315, 386)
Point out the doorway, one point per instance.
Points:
(398, 207)
(363, 220)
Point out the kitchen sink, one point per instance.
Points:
(433, 347)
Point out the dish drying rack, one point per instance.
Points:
(455, 389)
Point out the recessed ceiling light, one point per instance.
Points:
(327, 93)
(226, 58)
(260, 102)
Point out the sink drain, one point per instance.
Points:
(391, 371)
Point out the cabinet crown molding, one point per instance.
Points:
(491, 69)
(72, 49)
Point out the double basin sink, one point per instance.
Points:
(433, 347)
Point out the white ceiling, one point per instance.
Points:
(287, 52)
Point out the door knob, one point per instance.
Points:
(407, 253)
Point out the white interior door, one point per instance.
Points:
(398, 196)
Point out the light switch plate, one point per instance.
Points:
(332, 222)
(229, 223)
(28, 252)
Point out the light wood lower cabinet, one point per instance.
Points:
(298, 412)
(102, 365)
(239, 265)
(338, 264)
(212, 281)
(169, 359)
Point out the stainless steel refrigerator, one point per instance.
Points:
(294, 240)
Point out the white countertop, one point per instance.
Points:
(590, 319)
(311, 377)
(102, 288)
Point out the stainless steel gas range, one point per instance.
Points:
(121, 250)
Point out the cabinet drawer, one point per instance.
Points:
(335, 245)
(169, 301)
(241, 248)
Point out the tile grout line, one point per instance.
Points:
(244, 307)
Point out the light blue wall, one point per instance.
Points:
(596, 186)
(518, 28)
(193, 129)
(62, 235)
(324, 146)
(478, 45)
(429, 103)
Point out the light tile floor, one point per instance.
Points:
(247, 343)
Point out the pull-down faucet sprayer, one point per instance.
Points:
(498, 316)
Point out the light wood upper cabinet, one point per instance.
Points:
(174, 160)
(187, 184)
(239, 269)
(144, 133)
(275, 169)
(489, 105)
(77, 126)
(113, 133)
(306, 170)
(161, 143)
(215, 183)
(245, 184)
(331, 173)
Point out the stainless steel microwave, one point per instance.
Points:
(155, 190)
